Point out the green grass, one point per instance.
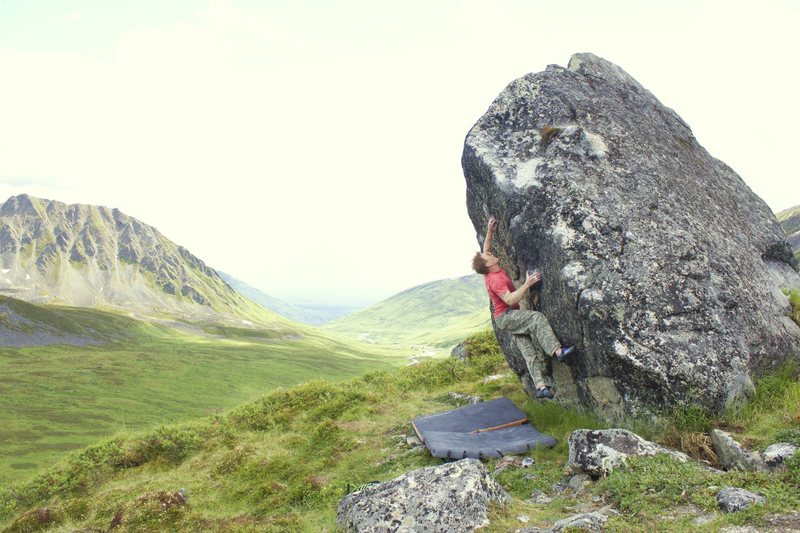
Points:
(775, 407)
(794, 301)
(59, 398)
(440, 314)
(281, 462)
(277, 463)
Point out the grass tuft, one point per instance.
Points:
(547, 134)
(794, 301)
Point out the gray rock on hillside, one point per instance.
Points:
(775, 455)
(734, 456)
(451, 497)
(594, 522)
(658, 260)
(599, 452)
(733, 500)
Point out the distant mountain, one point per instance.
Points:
(440, 313)
(315, 315)
(790, 221)
(89, 256)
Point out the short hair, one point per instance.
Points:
(479, 264)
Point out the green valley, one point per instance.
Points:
(438, 314)
(124, 373)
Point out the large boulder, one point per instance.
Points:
(451, 497)
(658, 260)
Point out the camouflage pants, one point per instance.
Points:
(533, 336)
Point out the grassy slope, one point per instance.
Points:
(440, 313)
(789, 219)
(57, 398)
(281, 462)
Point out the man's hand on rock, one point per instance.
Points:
(492, 224)
(533, 279)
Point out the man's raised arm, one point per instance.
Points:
(490, 229)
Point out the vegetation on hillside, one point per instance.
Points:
(789, 219)
(441, 314)
(794, 301)
(283, 461)
(57, 398)
(790, 222)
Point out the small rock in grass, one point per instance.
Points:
(775, 455)
(413, 441)
(472, 400)
(540, 497)
(733, 455)
(578, 482)
(598, 452)
(704, 519)
(733, 500)
(587, 522)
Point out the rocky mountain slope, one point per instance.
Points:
(659, 262)
(439, 313)
(790, 222)
(91, 256)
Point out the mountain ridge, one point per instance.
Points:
(94, 256)
(314, 315)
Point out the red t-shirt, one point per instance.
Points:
(497, 283)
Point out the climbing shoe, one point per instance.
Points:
(566, 351)
(544, 393)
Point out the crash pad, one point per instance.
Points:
(487, 429)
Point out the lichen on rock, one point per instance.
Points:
(450, 497)
(658, 261)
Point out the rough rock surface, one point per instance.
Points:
(733, 456)
(598, 452)
(657, 259)
(451, 497)
(776, 454)
(459, 352)
(733, 500)
(594, 521)
(586, 522)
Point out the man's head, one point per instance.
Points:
(482, 263)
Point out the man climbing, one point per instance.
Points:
(522, 324)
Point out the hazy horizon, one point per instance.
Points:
(312, 149)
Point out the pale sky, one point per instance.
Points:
(312, 148)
